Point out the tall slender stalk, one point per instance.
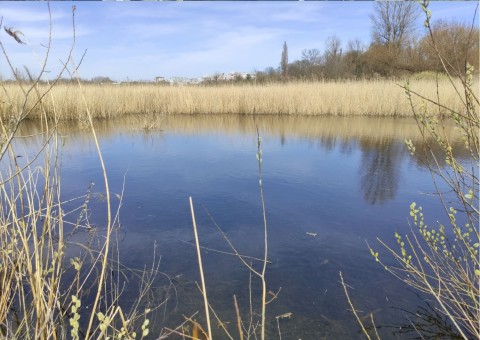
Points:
(265, 234)
(200, 266)
(353, 308)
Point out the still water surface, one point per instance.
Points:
(345, 180)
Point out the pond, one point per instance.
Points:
(331, 186)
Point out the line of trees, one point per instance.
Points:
(396, 49)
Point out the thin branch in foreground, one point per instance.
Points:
(239, 319)
(353, 308)
(225, 252)
(200, 266)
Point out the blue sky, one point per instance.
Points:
(142, 40)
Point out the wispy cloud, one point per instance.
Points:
(140, 31)
(146, 39)
(24, 15)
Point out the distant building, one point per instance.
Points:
(184, 81)
(205, 79)
(230, 76)
(245, 75)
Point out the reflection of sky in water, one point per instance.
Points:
(346, 189)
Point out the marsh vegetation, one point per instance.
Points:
(344, 98)
(79, 222)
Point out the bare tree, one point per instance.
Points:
(354, 60)
(284, 61)
(101, 79)
(456, 42)
(332, 57)
(312, 56)
(393, 21)
(355, 46)
(333, 47)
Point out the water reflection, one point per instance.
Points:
(345, 179)
(380, 168)
(328, 129)
(380, 140)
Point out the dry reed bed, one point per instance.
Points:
(365, 98)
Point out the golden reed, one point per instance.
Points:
(346, 98)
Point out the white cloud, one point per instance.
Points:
(145, 10)
(142, 40)
(18, 16)
(141, 31)
(299, 12)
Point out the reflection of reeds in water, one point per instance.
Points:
(369, 133)
(370, 98)
(270, 125)
(296, 127)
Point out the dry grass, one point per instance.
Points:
(52, 259)
(365, 98)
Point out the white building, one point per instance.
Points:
(184, 81)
